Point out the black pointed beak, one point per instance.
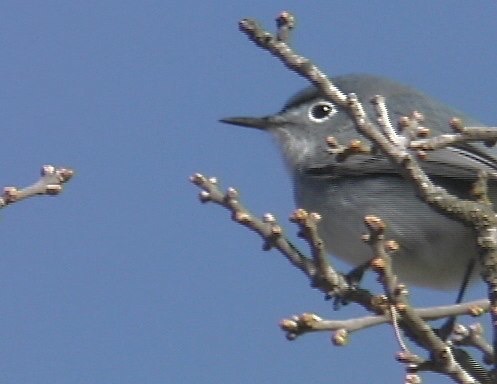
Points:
(251, 122)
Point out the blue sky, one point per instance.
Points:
(125, 277)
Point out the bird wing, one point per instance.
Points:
(459, 162)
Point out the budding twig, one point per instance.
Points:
(51, 183)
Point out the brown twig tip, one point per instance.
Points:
(422, 155)
(254, 31)
(65, 174)
(309, 320)
(53, 189)
(460, 331)
(413, 379)
(299, 324)
(356, 145)
(247, 25)
(476, 329)
(409, 358)
(401, 290)
(332, 142)
(305, 219)
(422, 132)
(242, 217)
(403, 357)
(289, 325)
(404, 121)
(299, 216)
(342, 152)
(456, 124)
(198, 179)
(285, 22)
(269, 218)
(374, 223)
(316, 217)
(10, 194)
(378, 264)
(352, 99)
(47, 170)
(285, 19)
(276, 230)
(340, 338)
(62, 174)
(391, 245)
(418, 116)
(204, 196)
(476, 311)
(291, 336)
(378, 99)
(231, 193)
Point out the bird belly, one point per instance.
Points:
(435, 250)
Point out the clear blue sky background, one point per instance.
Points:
(126, 278)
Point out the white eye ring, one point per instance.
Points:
(321, 111)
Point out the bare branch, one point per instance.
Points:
(402, 147)
(51, 184)
(478, 215)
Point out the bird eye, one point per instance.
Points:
(321, 111)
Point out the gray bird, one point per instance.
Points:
(435, 251)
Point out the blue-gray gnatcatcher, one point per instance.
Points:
(435, 251)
